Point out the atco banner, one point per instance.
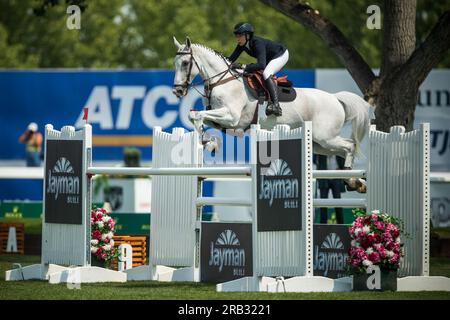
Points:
(124, 106)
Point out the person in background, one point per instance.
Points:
(33, 145)
(337, 186)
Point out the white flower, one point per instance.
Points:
(94, 242)
(100, 224)
(369, 250)
(367, 263)
(111, 242)
(376, 211)
(357, 230)
(105, 219)
(107, 247)
(354, 243)
(110, 234)
(104, 236)
(93, 249)
(366, 229)
(389, 253)
(397, 239)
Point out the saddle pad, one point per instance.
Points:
(285, 94)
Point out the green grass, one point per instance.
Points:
(135, 290)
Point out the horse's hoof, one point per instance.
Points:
(212, 146)
(361, 187)
(351, 185)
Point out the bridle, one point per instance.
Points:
(192, 60)
(207, 85)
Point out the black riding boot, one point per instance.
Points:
(273, 108)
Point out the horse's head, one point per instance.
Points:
(186, 68)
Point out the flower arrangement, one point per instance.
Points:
(102, 232)
(375, 241)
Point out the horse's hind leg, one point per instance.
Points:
(340, 147)
(345, 148)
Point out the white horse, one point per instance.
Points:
(232, 106)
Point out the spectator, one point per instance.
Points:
(336, 185)
(33, 141)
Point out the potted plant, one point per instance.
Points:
(375, 246)
(103, 250)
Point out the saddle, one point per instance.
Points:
(256, 85)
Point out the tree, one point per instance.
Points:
(404, 64)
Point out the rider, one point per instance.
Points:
(271, 57)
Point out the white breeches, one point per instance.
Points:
(275, 65)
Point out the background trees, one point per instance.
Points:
(321, 34)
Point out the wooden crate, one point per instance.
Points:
(20, 236)
(139, 245)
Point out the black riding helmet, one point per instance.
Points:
(243, 28)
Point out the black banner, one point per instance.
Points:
(279, 182)
(63, 185)
(331, 244)
(226, 251)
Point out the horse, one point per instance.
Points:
(230, 105)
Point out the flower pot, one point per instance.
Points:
(387, 278)
(97, 263)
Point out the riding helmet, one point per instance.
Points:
(243, 28)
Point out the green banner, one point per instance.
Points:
(20, 209)
(132, 223)
(348, 215)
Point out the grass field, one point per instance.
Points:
(138, 290)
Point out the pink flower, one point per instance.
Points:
(394, 259)
(379, 225)
(374, 257)
(99, 251)
(386, 237)
(97, 234)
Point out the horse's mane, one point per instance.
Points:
(217, 53)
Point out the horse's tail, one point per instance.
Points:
(357, 110)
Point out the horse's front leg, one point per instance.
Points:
(224, 117)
